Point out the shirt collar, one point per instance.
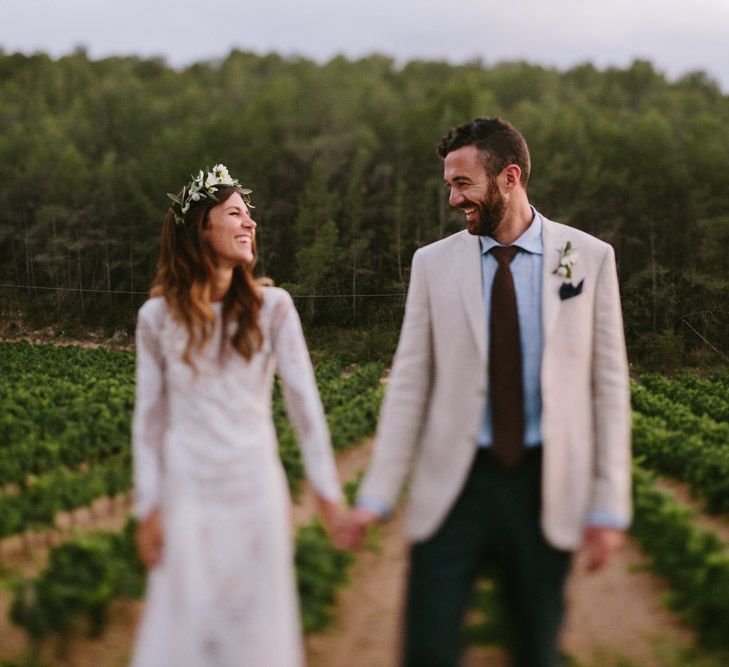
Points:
(530, 240)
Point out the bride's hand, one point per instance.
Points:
(150, 539)
(335, 519)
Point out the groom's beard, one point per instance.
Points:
(490, 212)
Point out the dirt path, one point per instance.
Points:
(612, 615)
(617, 614)
(367, 626)
(718, 523)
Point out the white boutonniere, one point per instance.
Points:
(567, 260)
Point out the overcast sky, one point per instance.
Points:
(677, 36)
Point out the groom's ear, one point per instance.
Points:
(511, 177)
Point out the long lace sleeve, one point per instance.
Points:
(150, 415)
(301, 397)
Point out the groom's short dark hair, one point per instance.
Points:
(498, 142)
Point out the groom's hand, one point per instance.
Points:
(599, 544)
(150, 539)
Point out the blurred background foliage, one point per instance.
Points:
(347, 185)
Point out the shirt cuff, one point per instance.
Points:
(372, 505)
(606, 520)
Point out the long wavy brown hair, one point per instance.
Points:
(184, 278)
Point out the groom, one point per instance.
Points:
(507, 404)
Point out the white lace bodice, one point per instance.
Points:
(206, 429)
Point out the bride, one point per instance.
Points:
(210, 492)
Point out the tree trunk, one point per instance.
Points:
(654, 287)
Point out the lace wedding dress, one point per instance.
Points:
(205, 453)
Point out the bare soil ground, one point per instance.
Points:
(14, 333)
(613, 615)
(716, 523)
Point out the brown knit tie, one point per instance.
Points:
(505, 378)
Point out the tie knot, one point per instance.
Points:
(504, 255)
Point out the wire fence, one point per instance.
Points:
(128, 292)
(82, 308)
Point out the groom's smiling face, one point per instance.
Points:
(472, 191)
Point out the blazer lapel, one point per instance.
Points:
(552, 242)
(467, 264)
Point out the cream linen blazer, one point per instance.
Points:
(435, 399)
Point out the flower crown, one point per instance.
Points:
(204, 186)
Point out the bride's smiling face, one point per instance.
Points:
(230, 232)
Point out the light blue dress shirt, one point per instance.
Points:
(526, 269)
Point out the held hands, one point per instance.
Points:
(346, 528)
(353, 529)
(150, 539)
(599, 544)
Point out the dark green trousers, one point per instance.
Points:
(495, 525)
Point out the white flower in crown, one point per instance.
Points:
(219, 175)
(567, 259)
(221, 172)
